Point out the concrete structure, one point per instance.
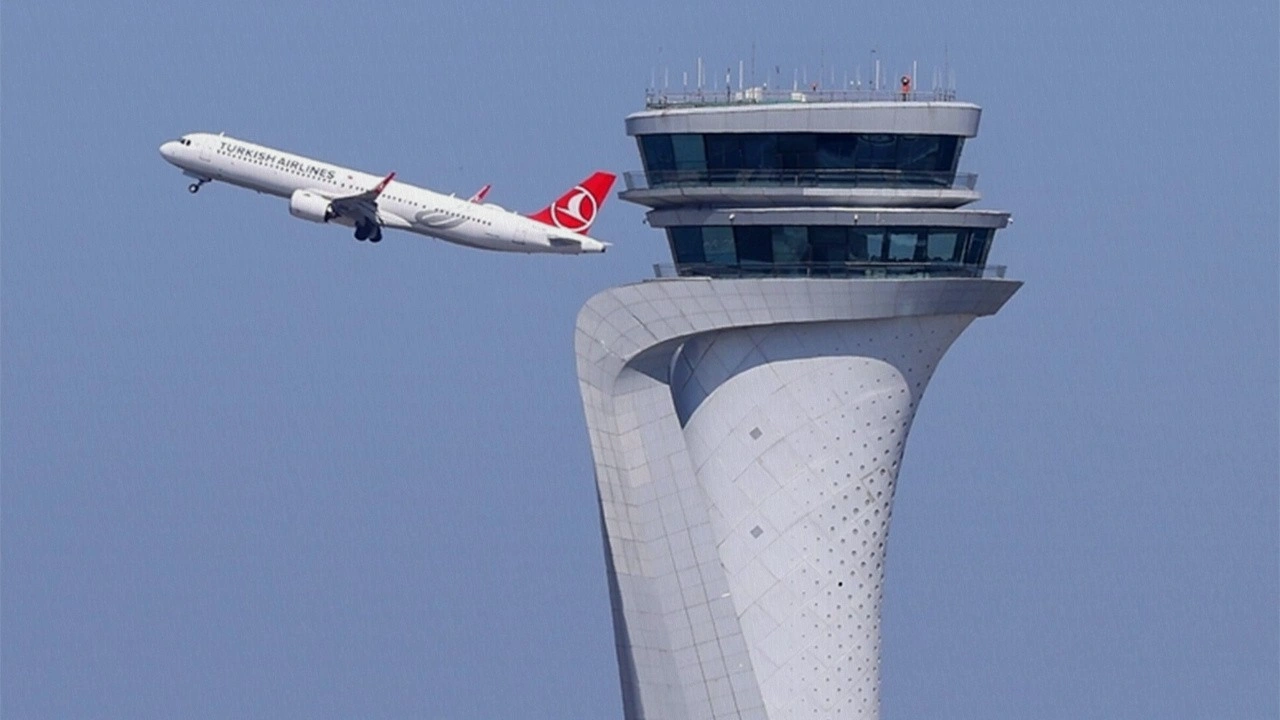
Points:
(748, 413)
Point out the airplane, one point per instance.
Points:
(325, 193)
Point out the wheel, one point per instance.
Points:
(362, 232)
(193, 188)
(376, 237)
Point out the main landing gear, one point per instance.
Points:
(194, 187)
(369, 231)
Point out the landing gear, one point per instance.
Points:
(194, 187)
(369, 231)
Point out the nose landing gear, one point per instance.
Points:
(194, 187)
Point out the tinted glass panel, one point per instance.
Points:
(657, 153)
(902, 245)
(876, 152)
(944, 245)
(866, 244)
(918, 153)
(952, 149)
(689, 153)
(796, 150)
(827, 249)
(977, 252)
(725, 153)
(759, 151)
(717, 243)
(835, 151)
(790, 244)
(830, 243)
(686, 244)
(754, 243)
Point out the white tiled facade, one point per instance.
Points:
(747, 435)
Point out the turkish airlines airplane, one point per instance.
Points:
(325, 193)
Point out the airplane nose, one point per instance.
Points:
(169, 150)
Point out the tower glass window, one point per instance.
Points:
(832, 250)
(832, 159)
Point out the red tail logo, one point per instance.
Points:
(577, 209)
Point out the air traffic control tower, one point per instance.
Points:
(748, 408)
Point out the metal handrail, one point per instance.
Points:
(849, 269)
(655, 99)
(796, 177)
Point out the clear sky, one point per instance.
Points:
(252, 468)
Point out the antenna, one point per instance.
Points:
(948, 76)
(699, 72)
(739, 74)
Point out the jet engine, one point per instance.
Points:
(310, 206)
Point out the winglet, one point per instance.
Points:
(479, 196)
(377, 190)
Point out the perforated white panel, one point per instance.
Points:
(796, 433)
(772, 392)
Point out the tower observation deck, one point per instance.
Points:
(748, 409)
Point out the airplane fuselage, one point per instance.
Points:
(309, 184)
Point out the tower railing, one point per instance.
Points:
(655, 99)
(794, 177)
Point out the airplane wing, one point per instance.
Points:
(361, 208)
(479, 196)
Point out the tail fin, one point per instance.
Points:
(576, 210)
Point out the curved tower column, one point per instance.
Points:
(746, 454)
(796, 433)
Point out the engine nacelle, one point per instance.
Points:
(310, 206)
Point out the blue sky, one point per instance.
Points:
(252, 468)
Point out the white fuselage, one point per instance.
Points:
(400, 205)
